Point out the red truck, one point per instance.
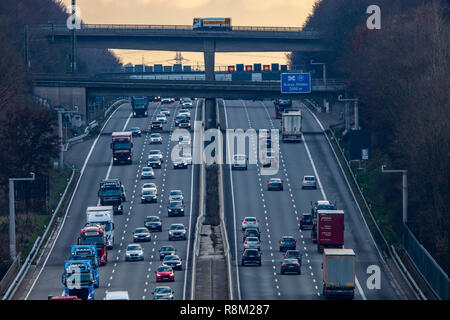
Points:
(122, 147)
(330, 229)
(93, 234)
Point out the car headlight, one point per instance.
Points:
(115, 158)
(170, 232)
(127, 254)
(170, 210)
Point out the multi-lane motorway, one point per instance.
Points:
(137, 277)
(245, 194)
(279, 212)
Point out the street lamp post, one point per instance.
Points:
(355, 100)
(404, 189)
(12, 216)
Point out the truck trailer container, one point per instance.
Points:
(338, 273)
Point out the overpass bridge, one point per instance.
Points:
(70, 90)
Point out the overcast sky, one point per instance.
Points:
(283, 13)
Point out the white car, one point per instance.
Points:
(155, 154)
(117, 295)
(252, 243)
(180, 163)
(155, 138)
(147, 173)
(162, 118)
(150, 185)
(250, 222)
(239, 161)
(187, 104)
(165, 111)
(176, 195)
(134, 252)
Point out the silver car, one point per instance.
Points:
(155, 154)
(155, 138)
(134, 252)
(147, 173)
(250, 222)
(177, 231)
(252, 243)
(309, 182)
(165, 111)
(176, 195)
(163, 293)
(162, 118)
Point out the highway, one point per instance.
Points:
(137, 277)
(279, 212)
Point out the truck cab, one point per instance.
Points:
(94, 234)
(87, 252)
(319, 205)
(140, 106)
(104, 216)
(112, 192)
(78, 279)
(122, 147)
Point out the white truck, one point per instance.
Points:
(104, 216)
(291, 126)
(338, 273)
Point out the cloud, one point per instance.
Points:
(175, 4)
(264, 5)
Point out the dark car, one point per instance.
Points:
(175, 208)
(251, 256)
(141, 234)
(287, 243)
(306, 221)
(275, 184)
(135, 131)
(154, 162)
(180, 163)
(118, 209)
(290, 265)
(185, 123)
(173, 261)
(149, 195)
(153, 223)
(293, 254)
(157, 125)
(180, 118)
(251, 232)
(166, 251)
(163, 293)
(177, 231)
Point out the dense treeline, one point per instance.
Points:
(28, 132)
(401, 74)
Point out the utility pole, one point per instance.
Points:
(355, 100)
(324, 70)
(404, 190)
(12, 215)
(27, 49)
(73, 58)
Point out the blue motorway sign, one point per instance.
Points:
(295, 83)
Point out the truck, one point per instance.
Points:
(122, 147)
(140, 106)
(94, 234)
(211, 24)
(78, 279)
(330, 229)
(338, 273)
(111, 192)
(291, 126)
(280, 106)
(87, 252)
(319, 205)
(104, 216)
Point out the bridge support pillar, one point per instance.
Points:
(209, 55)
(210, 113)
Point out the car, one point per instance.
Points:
(153, 223)
(275, 184)
(249, 222)
(136, 131)
(173, 261)
(187, 157)
(290, 265)
(141, 234)
(293, 254)
(287, 243)
(162, 118)
(147, 173)
(149, 195)
(176, 195)
(269, 158)
(177, 231)
(187, 105)
(156, 153)
(118, 209)
(117, 295)
(165, 100)
(309, 182)
(155, 138)
(154, 162)
(251, 232)
(175, 208)
(165, 111)
(184, 124)
(180, 163)
(134, 252)
(166, 251)
(157, 125)
(163, 293)
(165, 273)
(185, 112)
(239, 162)
(149, 185)
(252, 256)
(154, 98)
(252, 243)
(179, 118)
(321, 205)
(306, 221)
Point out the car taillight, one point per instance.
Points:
(244, 255)
(257, 242)
(284, 265)
(293, 241)
(245, 242)
(245, 222)
(298, 264)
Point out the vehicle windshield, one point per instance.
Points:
(133, 247)
(163, 290)
(154, 152)
(153, 159)
(250, 219)
(89, 240)
(107, 225)
(167, 258)
(155, 136)
(252, 239)
(175, 193)
(177, 227)
(288, 239)
(309, 178)
(164, 269)
(167, 249)
(92, 259)
(110, 192)
(121, 145)
(325, 207)
(141, 230)
(149, 192)
(78, 278)
(146, 169)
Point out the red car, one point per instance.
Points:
(165, 273)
